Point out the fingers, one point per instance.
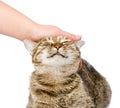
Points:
(72, 36)
(56, 31)
(48, 30)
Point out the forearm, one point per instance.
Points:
(14, 24)
(17, 25)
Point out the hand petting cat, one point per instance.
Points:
(42, 31)
(16, 25)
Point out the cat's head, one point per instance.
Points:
(54, 51)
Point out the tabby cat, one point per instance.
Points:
(62, 79)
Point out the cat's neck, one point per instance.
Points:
(55, 80)
(55, 74)
(57, 71)
(52, 86)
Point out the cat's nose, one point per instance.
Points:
(57, 46)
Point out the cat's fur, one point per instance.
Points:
(62, 79)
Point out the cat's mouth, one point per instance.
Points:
(57, 54)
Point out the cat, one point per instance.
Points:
(62, 79)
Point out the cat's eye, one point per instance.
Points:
(51, 44)
(45, 44)
(67, 42)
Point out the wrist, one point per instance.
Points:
(33, 32)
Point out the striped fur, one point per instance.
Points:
(58, 80)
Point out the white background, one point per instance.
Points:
(98, 21)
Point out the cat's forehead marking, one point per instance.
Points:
(49, 39)
(59, 39)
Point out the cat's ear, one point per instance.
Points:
(29, 45)
(80, 43)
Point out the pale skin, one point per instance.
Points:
(16, 25)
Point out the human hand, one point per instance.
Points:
(21, 27)
(41, 31)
